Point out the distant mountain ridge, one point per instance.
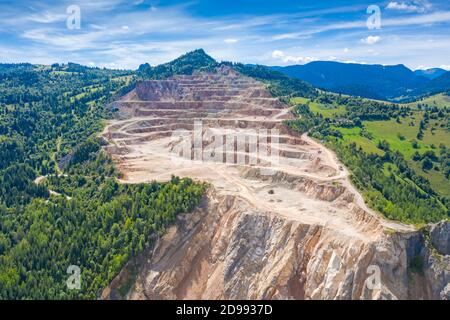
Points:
(393, 83)
(439, 84)
(432, 73)
(186, 64)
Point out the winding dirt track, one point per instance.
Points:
(305, 182)
(345, 180)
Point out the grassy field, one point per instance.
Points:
(325, 111)
(354, 135)
(94, 88)
(300, 100)
(400, 137)
(420, 135)
(439, 100)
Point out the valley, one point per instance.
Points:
(395, 83)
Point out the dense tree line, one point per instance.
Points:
(399, 194)
(196, 60)
(316, 125)
(64, 107)
(49, 119)
(99, 229)
(279, 84)
(360, 109)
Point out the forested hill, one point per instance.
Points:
(280, 85)
(49, 113)
(432, 73)
(41, 105)
(197, 61)
(393, 83)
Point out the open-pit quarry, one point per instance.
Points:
(280, 220)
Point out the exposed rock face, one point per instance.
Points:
(226, 250)
(437, 260)
(440, 237)
(301, 231)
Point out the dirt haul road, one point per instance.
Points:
(226, 129)
(144, 145)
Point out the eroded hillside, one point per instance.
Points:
(281, 219)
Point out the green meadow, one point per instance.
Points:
(400, 137)
(319, 108)
(439, 100)
(401, 134)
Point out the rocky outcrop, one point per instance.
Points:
(440, 237)
(226, 250)
(437, 259)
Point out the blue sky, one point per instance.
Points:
(124, 34)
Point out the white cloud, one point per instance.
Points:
(409, 6)
(435, 17)
(97, 27)
(47, 17)
(445, 66)
(280, 55)
(352, 61)
(421, 20)
(104, 38)
(371, 40)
